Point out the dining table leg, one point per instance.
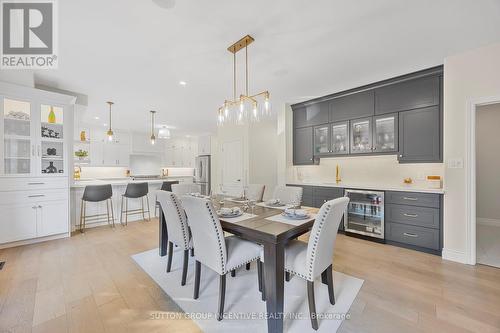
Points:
(274, 261)
(163, 240)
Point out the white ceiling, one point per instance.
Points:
(135, 52)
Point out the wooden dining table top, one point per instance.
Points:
(259, 227)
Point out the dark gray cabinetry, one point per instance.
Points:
(400, 116)
(419, 135)
(311, 115)
(407, 95)
(361, 136)
(321, 140)
(316, 196)
(339, 133)
(352, 106)
(385, 133)
(303, 146)
(414, 220)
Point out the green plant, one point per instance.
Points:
(81, 153)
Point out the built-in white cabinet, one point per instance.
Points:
(204, 145)
(181, 152)
(141, 143)
(35, 144)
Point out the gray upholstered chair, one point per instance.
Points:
(213, 250)
(312, 259)
(290, 195)
(178, 230)
(165, 186)
(186, 188)
(255, 192)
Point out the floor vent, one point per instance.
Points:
(1, 264)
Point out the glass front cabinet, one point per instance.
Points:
(322, 140)
(340, 138)
(361, 135)
(385, 136)
(33, 133)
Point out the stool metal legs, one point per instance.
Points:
(128, 212)
(110, 218)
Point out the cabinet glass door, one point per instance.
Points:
(385, 133)
(51, 139)
(17, 146)
(361, 136)
(340, 138)
(321, 140)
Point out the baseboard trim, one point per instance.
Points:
(488, 222)
(454, 255)
(105, 223)
(34, 240)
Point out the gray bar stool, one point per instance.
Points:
(96, 193)
(135, 191)
(165, 186)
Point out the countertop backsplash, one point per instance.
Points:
(371, 170)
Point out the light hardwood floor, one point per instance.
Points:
(89, 283)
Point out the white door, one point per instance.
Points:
(17, 222)
(232, 167)
(53, 218)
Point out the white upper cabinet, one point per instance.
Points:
(204, 145)
(180, 152)
(34, 132)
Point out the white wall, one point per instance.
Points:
(488, 162)
(467, 76)
(259, 144)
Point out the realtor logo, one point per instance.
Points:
(28, 34)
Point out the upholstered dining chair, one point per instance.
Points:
(213, 250)
(178, 230)
(255, 192)
(186, 188)
(290, 195)
(314, 258)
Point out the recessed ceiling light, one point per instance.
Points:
(96, 118)
(182, 83)
(104, 124)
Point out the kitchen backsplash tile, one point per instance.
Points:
(383, 169)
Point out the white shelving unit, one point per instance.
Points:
(34, 162)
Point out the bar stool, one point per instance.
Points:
(135, 191)
(96, 193)
(165, 186)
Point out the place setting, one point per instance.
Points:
(233, 214)
(274, 203)
(293, 216)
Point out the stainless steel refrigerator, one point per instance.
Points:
(202, 173)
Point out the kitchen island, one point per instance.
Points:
(119, 185)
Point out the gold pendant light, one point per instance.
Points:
(109, 133)
(235, 110)
(153, 137)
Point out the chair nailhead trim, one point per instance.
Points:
(315, 245)
(219, 241)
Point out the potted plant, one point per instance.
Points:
(81, 154)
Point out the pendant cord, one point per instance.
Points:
(246, 66)
(234, 76)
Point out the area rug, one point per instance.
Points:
(244, 309)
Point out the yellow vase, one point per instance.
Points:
(52, 116)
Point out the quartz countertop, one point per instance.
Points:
(121, 181)
(366, 186)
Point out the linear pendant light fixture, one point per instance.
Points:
(235, 110)
(153, 137)
(109, 133)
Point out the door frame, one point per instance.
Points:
(470, 208)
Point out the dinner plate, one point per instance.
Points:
(230, 215)
(275, 204)
(296, 217)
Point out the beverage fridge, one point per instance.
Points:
(365, 213)
(202, 173)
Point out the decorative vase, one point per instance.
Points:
(52, 116)
(51, 168)
(83, 136)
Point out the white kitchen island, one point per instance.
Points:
(119, 185)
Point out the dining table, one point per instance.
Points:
(272, 235)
